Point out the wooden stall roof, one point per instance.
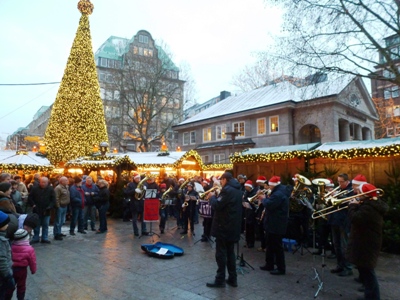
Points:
(273, 153)
(24, 160)
(109, 161)
(355, 149)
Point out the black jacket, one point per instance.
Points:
(44, 199)
(366, 232)
(277, 209)
(227, 208)
(103, 197)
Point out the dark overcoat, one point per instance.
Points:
(227, 208)
(365, 239)
(277, 209)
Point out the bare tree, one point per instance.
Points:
(190, 92)
(150, 97)
(386, 125)
(340, 36)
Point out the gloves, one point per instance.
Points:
(139, 191)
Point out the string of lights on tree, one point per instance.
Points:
(77, 119)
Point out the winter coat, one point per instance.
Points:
(277, 209)
(103, 197)
(5, 256)
(227, 208)
(62, 196)
(365, 238)
(43, 199)
(23, 255)
(90, 199)
(340, 218)
(77, 196)
(129, 191)
(6, 204)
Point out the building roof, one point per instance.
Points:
(336, 146)
(115, 47)
(271, 95)
(143, 158)
(27, 161)
(288, 148)
(225, 143)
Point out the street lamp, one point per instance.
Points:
(233, 135)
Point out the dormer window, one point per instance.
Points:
(143, 39)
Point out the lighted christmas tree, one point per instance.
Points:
(77, 119)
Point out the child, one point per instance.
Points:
(6, 274)
(23, 255)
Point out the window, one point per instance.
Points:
(116, 95)
(140, 51)
(261, 126)
(102, 93)
(274, 124)
(219, 158)
(238, 127)
(117, 64)
(207, 134)
(135, 50)
(109, 78)
(205, 159)
(220, 132)
(103, 62)
(193, 137)
(102, 77)
(186, 138)
(174, 74)
(143, 39)
(392, 92)
(111, 63)
(150, 52)
(146, 52)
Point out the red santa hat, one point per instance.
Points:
(367, 187)
(135, 176)
(163, 186)
(294, 178)
(181, 179)
(359, 179)
(206, 181)
(249, 183)
(261, 179)
(330, 183)
(275, 180)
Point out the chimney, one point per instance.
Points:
(223, 95)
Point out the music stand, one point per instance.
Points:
(300, 235)
(242, 262)
(205, 212)
(151, 210)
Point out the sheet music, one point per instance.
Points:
(151, 194)
(162, 251)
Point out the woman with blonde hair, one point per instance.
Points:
(102, 203)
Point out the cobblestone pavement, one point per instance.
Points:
(113, 266)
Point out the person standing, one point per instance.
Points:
(189, 208)
(61, 206)
(226, 227)
(250, 213)
(77, 197)
(23, 255)
(365, 240)
(137, 206)
(89, 212)
(6, 273)
(42, 199)
(102, 202)
(277, 212)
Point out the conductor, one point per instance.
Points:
(226, 226)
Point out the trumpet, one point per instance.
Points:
(337, 203)
(203, 195)
(260, 192)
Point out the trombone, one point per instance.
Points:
(336, 203)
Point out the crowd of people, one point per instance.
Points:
(266, 212)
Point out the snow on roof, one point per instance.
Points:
(10, 157)
(358, 144)
(288, 148)
(141, 158)
(270, 95)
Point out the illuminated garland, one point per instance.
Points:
(77, 119)
(221, 167)
(267, 157)
(12, 168)
(89, 163)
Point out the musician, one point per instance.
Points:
(226, 229)
(340, 228)
(170, 182)
(242, 180)
(207, 213)
(189, 210)
(357, 181)
(259, 228)
(366, 218)
(136, 205)
(277, 211)
(250, 213)
(163, 211)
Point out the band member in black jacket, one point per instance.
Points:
(136, 205)
(225, 228)
(277, 211)
(189, 208)
(250, 213)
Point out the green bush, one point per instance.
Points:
(391, 228)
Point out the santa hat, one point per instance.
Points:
(294, 178)
(181, 179)
(275, 180)
(359, 179)
(136, 176)
(261, 179)
(206, 181)
(21, 234)
(367, 187)
(163, 186)
(330, 183)
(249, 183)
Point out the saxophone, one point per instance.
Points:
(164, 196)
(139, 196)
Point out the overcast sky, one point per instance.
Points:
(217, 38)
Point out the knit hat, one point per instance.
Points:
(163, 186)
(31, 220)
(226, 175)
(5, 186)
(330, 184)
(367, 187)
(21, 234)
(241, 176)
(249, 183)
(275, 180)
(261, 179)
(77, 179)
(4, 219)
(359, 179)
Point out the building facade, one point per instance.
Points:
(281, 114)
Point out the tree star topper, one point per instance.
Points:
(85, 7)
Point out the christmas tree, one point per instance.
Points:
(77, 118)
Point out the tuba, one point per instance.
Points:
(139, 196)
(164, 196)
(300, 194)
